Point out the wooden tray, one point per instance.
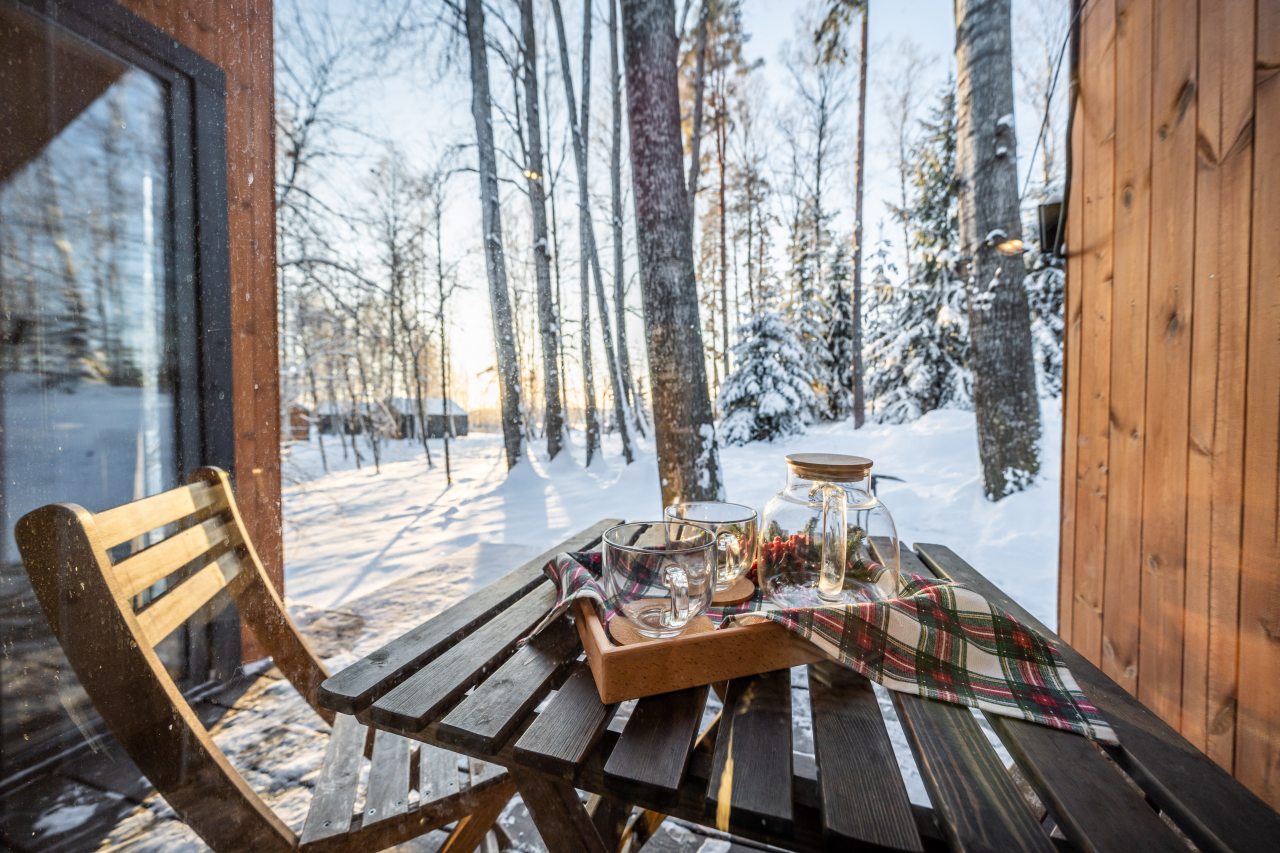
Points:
(660, 666)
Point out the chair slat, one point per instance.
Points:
(863, 796)
(438, 775)
(122, 523)
(360, 684)
(410, 705)
(569, 726)
(334, 798)
(142, 570)
(486, 717)
(750, 780)
(1212, 808)
(180, 603)
(654, 747)
(388, 794)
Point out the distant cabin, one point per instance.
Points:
(331, 418)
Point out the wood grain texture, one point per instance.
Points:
(1205, 802)
(863, 796)
(1097, 211)
(569, 726)
(438, 775)
(1170, 319)
(354, 688)
(487, 716)
(1183, 498)
(1127, 422)
(750, 781)
(412, 703)
(655, 744)
(388, 792)
(333, 799)
(1257, 748)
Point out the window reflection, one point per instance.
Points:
(87, 409)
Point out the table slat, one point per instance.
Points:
(750, 781)
(360, 684)
(863, 795)
(487, 716)
(438, 775)
(1093, 804)
(1211, 807)
(567, 728)
(334, 799)
(654, 747)
(979, 805)
(414, 702)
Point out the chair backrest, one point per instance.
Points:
(195, 538)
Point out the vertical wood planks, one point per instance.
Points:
(750, 782)
(1126, 443)
(1218, 345)
(1097, 97)
(1173, 217)
(1257, 746)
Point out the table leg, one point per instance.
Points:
(558, 813)
(610, 817)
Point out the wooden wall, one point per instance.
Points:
(1170, 562)
(237, 36)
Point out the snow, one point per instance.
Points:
(353, 531)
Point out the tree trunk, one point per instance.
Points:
(859, 392)
(615, 190)
(548, 325)
(688, 455)
(442, 329)
(577, 131)
(722, 138)
(495, 263)
(1004, 385)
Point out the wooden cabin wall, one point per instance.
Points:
(1170, 562)
(236, 35)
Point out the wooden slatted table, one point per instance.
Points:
(460, 682)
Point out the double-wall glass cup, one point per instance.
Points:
(733, 525)
(659, 575)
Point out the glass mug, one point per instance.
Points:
(659, 575)
(733, 525)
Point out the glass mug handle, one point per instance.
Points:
(834, 540)
(677, 583)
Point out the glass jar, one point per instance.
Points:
(825, 510)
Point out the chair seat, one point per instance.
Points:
(398, 767)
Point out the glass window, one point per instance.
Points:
(87, 348)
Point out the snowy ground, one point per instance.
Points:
(353, 531)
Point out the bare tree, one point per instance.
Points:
(588, 229)
(688, 453)
(900, 109)
(491, 212)
(1004, 384)
(548, 324)
(615, 193)
(699, 83)
(1046, 23)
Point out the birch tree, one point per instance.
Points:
(548, 324)
(688, 453)
(491, 217)
(1004, 386)
(577, 132)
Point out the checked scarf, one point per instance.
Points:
(935, 639)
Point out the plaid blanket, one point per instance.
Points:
(936, 639)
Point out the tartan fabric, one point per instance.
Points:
(937, 639)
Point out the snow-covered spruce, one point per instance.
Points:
(769, 393)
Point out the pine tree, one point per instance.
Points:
(919, 345)
(806, 310)
(840, 336)
(1045, 283)
(768, 394)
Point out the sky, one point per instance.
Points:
(422, 105)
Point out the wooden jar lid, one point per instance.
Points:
(829, 466)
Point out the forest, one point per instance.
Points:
(664, 248)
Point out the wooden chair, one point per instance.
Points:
(203, 549)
